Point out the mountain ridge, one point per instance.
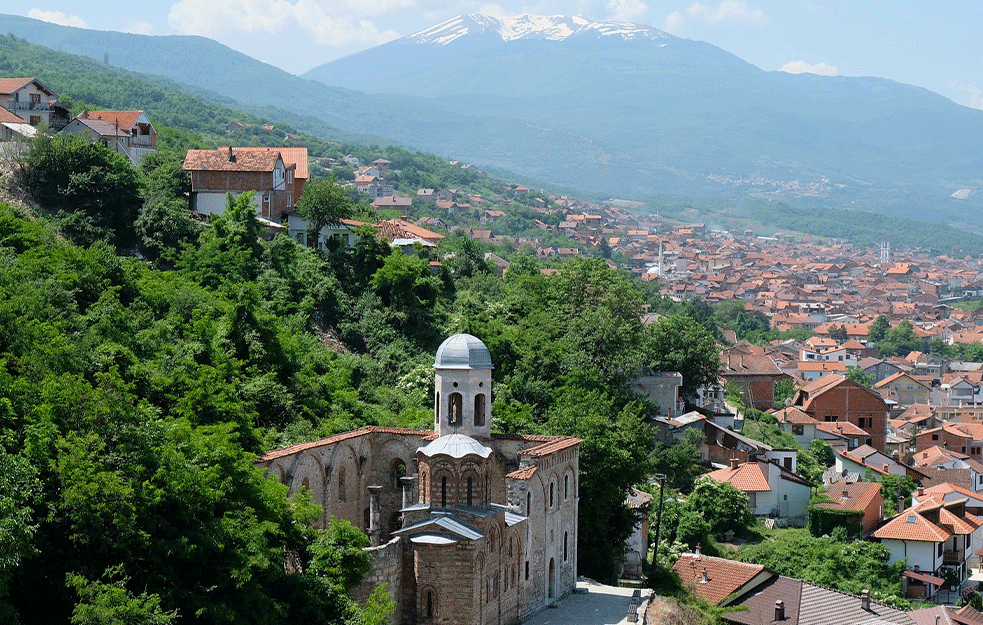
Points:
(624, 118)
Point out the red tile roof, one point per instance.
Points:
(747, 477)
(723, 577)
(125, 119)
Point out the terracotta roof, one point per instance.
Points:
(911, 525)
(6, 117)
(747, 477)
(330, 440)
(859, 495)
(638, 499)
(844, 428)
(523, 474)
(793, 414)
(399, 229)
(723, 577)
(10, 85)
(218, 160)
(126, 119)
(553, 446)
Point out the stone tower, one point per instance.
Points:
(462, 395)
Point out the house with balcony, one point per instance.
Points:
(31, 101)
(908, 390)
(131, 132)
(933, 535)
(965, 438)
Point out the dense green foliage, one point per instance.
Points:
(834, 562)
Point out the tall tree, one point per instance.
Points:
(678, 343)
(324, 203)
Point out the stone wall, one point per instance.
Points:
(387, 569)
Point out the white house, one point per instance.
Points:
(932, 535)
(772, 490)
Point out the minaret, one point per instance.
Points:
(462, 394)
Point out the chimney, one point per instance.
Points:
(704, 577)
(779, 610)
(865, 600)
(734, 462)
(232, 157)
(698, 546)
(917, 568)
(885, 467)
(846, 494)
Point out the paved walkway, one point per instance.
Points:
(600, 605)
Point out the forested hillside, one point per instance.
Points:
(136, 393)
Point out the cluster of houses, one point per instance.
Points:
(26, 104)
(917, 418)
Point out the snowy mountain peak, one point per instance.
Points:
(546, 27)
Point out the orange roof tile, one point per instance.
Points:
(723, 577)
(747, 477)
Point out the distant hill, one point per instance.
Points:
(651, 111)
(619, 109)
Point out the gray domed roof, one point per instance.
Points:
(456, 446)
(463, 351)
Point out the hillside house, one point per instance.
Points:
(772, 490)
(142, 134)
(933, 535)
(276, 175)
(965, 438)
(864, 498)
(755, 373)
(907, 390)
(835, 398)
(34, 103)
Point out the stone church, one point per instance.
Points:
(466, 526)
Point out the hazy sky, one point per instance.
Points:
(935, 45)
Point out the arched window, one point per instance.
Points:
(342, 490)
(479, 410)
(564, 546)
(566, 487)
(443, 492)
(398, 471)
(455, 409)
(551, 494)
(528, 504)
(436, 410)
(306, 483)
(470, 484)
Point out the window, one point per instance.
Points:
(830, 418)
(399, 470)
(35, 120)
(866, 422)
(551, 494)
(566, 487)
(935, 437)
(528, 504)
(479, 410)
(564, 546)
(35, 98)
(798, 429)
(470, 484)
(455, 405)
(527, 570)
(443, 492)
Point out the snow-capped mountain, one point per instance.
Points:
(543, 27)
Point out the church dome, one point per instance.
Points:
(463, 351)
(456, 446)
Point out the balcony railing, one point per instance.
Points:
(952, 556)
(28, 106)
